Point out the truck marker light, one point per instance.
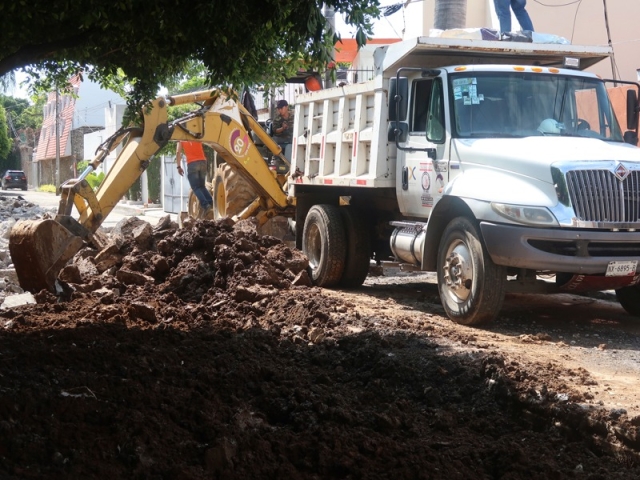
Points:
(554, 70)
(519, 69)
(459, 69)
(536, 69)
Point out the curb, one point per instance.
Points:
(155, 210)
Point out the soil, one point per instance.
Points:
(203, 352)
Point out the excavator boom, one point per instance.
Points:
(41, 248)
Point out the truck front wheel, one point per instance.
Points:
(324, 244)
(471, 286)
(629, 298)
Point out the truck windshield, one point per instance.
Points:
(521, 104)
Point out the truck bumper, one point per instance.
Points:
(585, 252)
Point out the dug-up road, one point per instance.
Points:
(591, 340)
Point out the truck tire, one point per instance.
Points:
(471, 286)
(324, 244)
(231, 192)
(356, 267)
(629, 298)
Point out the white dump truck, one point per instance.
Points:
(490, 163)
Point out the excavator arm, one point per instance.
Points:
(40, 248)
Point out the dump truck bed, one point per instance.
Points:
(340, 134)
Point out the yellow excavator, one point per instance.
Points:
(41, 248)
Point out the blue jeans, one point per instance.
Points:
(197, 176)
(503, 11)
(286, 150)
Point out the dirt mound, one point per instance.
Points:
(202, 352)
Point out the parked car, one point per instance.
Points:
(14, 179)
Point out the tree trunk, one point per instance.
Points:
(450, 14)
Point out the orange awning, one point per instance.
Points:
(347, 49)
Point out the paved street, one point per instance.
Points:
(122, 210)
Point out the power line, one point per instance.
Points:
(557, 5)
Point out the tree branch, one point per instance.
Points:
(30, 54)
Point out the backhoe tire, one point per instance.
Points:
(324, 243)
(194, 205)
(629, 298)
(471, 286)
(231, 192)
(194, 208)
(358, 258)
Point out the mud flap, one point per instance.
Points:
(39, 250)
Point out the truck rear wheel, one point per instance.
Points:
(231, 192)
(629, 298)
(358, 256)
(324, 244)
(471, 286)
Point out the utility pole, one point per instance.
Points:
(57, 119)
(606, 22)
(329, 15)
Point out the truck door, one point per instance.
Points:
(423, 176)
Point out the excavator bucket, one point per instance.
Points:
(39, 250)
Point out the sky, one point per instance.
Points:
(17, 91)
(385, 27)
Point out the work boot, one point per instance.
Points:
(208, 213)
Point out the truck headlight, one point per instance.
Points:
(524, 214)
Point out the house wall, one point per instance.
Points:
(91, 104)
(79, 114)
(112, 121)
(582, 23)
(47, 170)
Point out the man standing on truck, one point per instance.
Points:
(196, 174)
(283, 127)
(503, 11)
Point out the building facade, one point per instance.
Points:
(79, 112)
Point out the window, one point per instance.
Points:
(420, 104)
(520, 104)
(435, 125)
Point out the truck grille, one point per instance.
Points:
(599, 196)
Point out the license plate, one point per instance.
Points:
(621, 269)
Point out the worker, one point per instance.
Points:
(196, 174)
(283, 127)
(503, 11)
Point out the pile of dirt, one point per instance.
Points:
(203, 352)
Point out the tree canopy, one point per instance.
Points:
(147, 44)
(23, 113)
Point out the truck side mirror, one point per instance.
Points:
(398, 98)
(632, 109)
